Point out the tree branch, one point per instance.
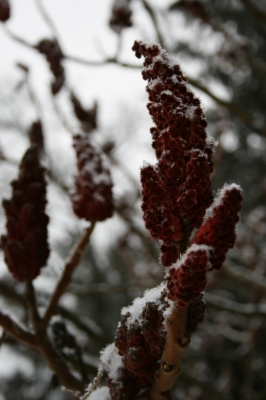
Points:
(48, 20)
(246, 116)
(256, 11)
(176, 344)
(69, 269)
(233, 306)
(247, 276)
(17, 332)
(33, 308)
(152, 14)
(57, 364)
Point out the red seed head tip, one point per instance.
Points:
(218, 228)
(187, 279)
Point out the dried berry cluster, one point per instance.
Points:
(121, 15)
(54, 56)
(187, 279)
(92, 199)
(177, 190)
(218, 229)
(141, 345)
(25, 244)
(4, 10)
(87, 117)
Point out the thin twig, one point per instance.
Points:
(55, 362)
(75, 319)
(93, 385)
(191, 379)
(3, 338)
(17, 332)
(48, 20)
(69, 269)
(246, 116)
(152, 14)
(102, 288)
(246, 275)
(233, 306)
(259, 13)
(33, 308)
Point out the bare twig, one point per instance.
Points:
(33, 308)
(3, 338)
(48, 20)
(74, 318)
(152, 14)
(57, 364)
(246, 116)
(247, 276)
(233, 306)
(69, 269)
(93, 385)
(17, 332)
(99, 288)
(256, 11)
(190, 379)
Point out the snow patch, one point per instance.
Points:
(218, 201)
(111, 360)
(193, 248)
(101, 393)
(151, 295)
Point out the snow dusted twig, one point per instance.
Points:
(93, 385)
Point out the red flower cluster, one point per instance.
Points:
(141, 345)
(187, 279)
(92, 199)
(177, 190)
(121, 15)
(218, 229)
(25, 245)
(4, 10)
(87, 118)
(54, 56)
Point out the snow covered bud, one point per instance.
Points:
(25, 244)
(121, 15)
(93, 198)
(87, 117)
(176, 191)
(4, 10)
(54, 56)
(218, 228)
(187, 279)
